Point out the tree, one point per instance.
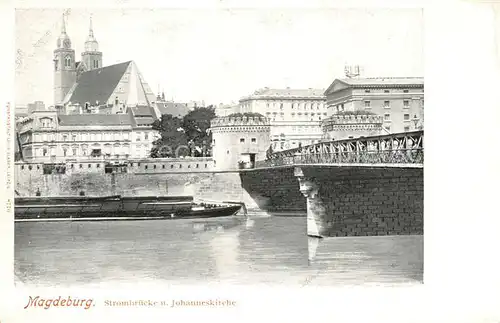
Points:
(195, 124)
(172, 136)
(190, 131)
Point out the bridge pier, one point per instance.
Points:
(319, 222)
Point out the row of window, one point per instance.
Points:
(94, 137)
(385, 91)
(72, 166)
(406, 117)
(242, 140)
(293, 106)
(387, 104)
(388, 128)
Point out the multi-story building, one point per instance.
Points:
(295, 114)
(223, 110)
(399, 100)
(46, 136)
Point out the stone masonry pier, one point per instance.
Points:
(347, 200)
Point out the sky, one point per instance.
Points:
(221, 55)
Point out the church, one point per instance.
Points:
(100, 112)
(87, 86)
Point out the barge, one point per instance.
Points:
(116, 207)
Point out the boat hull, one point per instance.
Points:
(114, 208)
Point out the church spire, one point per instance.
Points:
(91, 30)
(63, 28)
(91, 45)
(63, 41)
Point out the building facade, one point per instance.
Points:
(48, 137)
(399, 101)
(295, 114)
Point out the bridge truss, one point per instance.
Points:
(398, 148)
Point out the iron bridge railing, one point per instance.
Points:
(398, 148)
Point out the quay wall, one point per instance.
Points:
(277, 193)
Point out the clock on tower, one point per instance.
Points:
(66, 43)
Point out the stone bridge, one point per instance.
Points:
(363, 186)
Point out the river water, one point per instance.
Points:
(272, 250)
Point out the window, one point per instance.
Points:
(163, 166)
(254, 139)
(74, 151)
(406, 117)
(388, 128)
(406, 103)
(281, 106)
(67, 61)
(81, 165)
(242, 140)
(367, 91)
(65, 151)
(98, 165)
(407, 128)
(45, 151)
(367, 104)
(146, 136)
(154, 166)
(386, 104)
(405, 91)
(74, 137)
(145, 166)
(387, 117)
(386, 91)
(65, 138)
(90, 165)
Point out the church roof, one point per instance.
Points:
(94, 120)
(98, 85)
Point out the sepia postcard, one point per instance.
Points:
(216, 161)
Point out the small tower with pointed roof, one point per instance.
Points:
(91, 57)
(64, 66)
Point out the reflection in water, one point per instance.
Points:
(312, 247)
(273, 250)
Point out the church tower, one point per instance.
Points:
(64, 66)
(91, 57)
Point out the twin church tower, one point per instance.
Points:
(66, 69)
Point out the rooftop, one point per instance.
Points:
(98, 85)
(288, 92)
(94, 120)
(383, 81)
